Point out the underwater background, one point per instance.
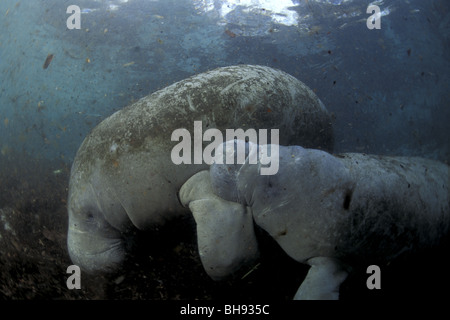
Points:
(388, 90)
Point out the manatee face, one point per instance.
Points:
(92, 241)
(301, 206)
(123, 174)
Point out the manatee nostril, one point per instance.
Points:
(90, 216)
(347, 199)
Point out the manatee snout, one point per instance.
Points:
(92, 242)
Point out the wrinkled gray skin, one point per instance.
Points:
(123, 177)
(328, 211)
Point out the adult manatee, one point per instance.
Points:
(123, 177)
(327, 211)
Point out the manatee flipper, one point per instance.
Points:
(226, 238)
(323, 280)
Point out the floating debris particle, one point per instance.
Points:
(40, 106)
(5, 150)
(88, 60)
(119, 279)
(230, 33)
(251, 270)
(106, 30)
(128, 64)
(7, 11)
(61, 127)
(314, 30)
(49, 235)
(47, 61)
(6, 122)
(408, 52)
(58, 171)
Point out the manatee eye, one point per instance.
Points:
(89, 216)
(347, 199)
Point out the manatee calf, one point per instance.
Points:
(327, 211)
(123, 177)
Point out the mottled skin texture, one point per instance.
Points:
(334, 211)
(123, 177)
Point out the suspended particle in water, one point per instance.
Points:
(47, 61)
